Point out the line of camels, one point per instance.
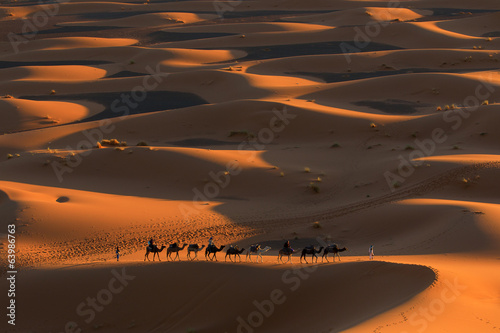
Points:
(212, 250)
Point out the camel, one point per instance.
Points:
(332, 249)
(233, 251)
(213, 250)
(256, 249)
(155, 250)
(286, 251)
(194, 248)
(174, 248)
(310, 250)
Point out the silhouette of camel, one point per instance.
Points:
(212, 250)
(332, 249)
(233, 251)
(255, 249)
(155, 250)
(194, 248)
(174, 248)
(286, 251)
(310, 250)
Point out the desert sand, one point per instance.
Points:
(253, 122)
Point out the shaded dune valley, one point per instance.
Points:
(355, 142)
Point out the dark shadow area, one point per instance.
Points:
(166, 37)
(124, 74)
(491, 34)
(75, 29)
(99, 16)
(451, 13)
(116, 104)
(292, 50)
(202, 142)
(393, 106)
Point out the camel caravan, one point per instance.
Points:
(234, 252)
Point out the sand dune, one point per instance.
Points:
(146, 20)
(22, 115)
(359, 16)
(175, 310)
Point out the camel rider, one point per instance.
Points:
(287, 245)
(151, 244)
(210, 242)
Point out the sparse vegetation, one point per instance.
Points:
(7, 96)
(314, 187)
(52, 92)
(112, 142)
(142, 144)
(455, 147)
(396, 184)
(439, 108)
(409, 147)
(282, 174)
(373, 125)
(9, 156)
(316, 225)
(485, 102)
(483, 133)
(335, 145)
(307, 169)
